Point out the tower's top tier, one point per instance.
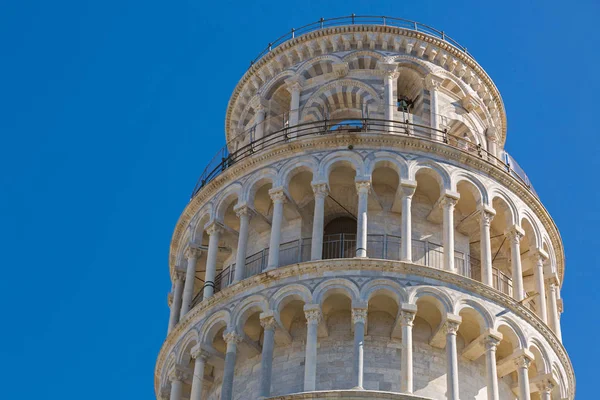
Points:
(336, 69)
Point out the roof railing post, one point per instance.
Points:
(353, 15)
(383, 21)
(321, 21)
(443, 36)
(293, 33)
(270, 46)
(416, 29)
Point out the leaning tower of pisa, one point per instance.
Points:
(364, 235)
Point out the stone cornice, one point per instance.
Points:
(319, 268)
(276, 53)
(368, 141)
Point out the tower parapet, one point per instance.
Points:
(414, 260)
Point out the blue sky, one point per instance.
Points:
(110, 110)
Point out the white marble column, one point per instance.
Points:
(433, 84)
(451, 328)
(487, 214)
(192, 255)
(408, 190)
(359, 318)
(390, 75)
(448, 203)
(407, 315)
(363, 187)
(321, 191)
(278, 197)
(259, 122)
(313, 317)
(178, 279)
(539, 257)
(545, 387)
(214, 231)
(200, 357)
(232, 339)
(177, 376)
(294, 87)
(491, 344)
(553, 316)
(492, 145)
(515, 234)
(267, 321)
(523, 363)
(244, 214)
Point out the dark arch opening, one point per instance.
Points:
(339, 239)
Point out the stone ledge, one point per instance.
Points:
(348, 395)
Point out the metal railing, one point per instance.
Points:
(359, 20)
(343, 245)
(363, 126)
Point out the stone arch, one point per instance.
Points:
(316, 60)
(205, 214)
(254, 303)
(519, 336)
(330, 286)
(290, 292)
(185, 345)
(525, 215)
(353, 59)
(415, 63)
(560, 379)
(213, 324)
(439, 171)
(226, 197)
(273, 84)
(459, 176)
(318, 104)
(430, 291)
(168, 366)
(442, 73)
(268, 174)
(547, 245)
(544, 363)
(340, 157)
(461, 131)
(386, 286)
(513, 214)
(396, 161)
(487, 321)
(293, 167)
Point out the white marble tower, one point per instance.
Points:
(364, 235)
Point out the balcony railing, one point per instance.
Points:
(343, 245)
(224, 159)
(359, 20)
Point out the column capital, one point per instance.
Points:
(267, 320)
(193, 251)
(451, 324)
(179, 373)
(213, 228)
(515, 233)
(242, 209)
(165, 393)
(258, 103)
(294, 83)
(320, 188)
(408, 313)
(359, 315)
(539, 254)
(408, 187)
(169, 299)
(341, 69)
(231, 337)
(492, 339)
(199, 352)
(433, 82)
(312, 313)
(545, 386)
(449, 197)
(179, 274)
(278, 194)
(487, 214)
(363, 186)
(552, 280)
(388, 69)
(523, 361)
